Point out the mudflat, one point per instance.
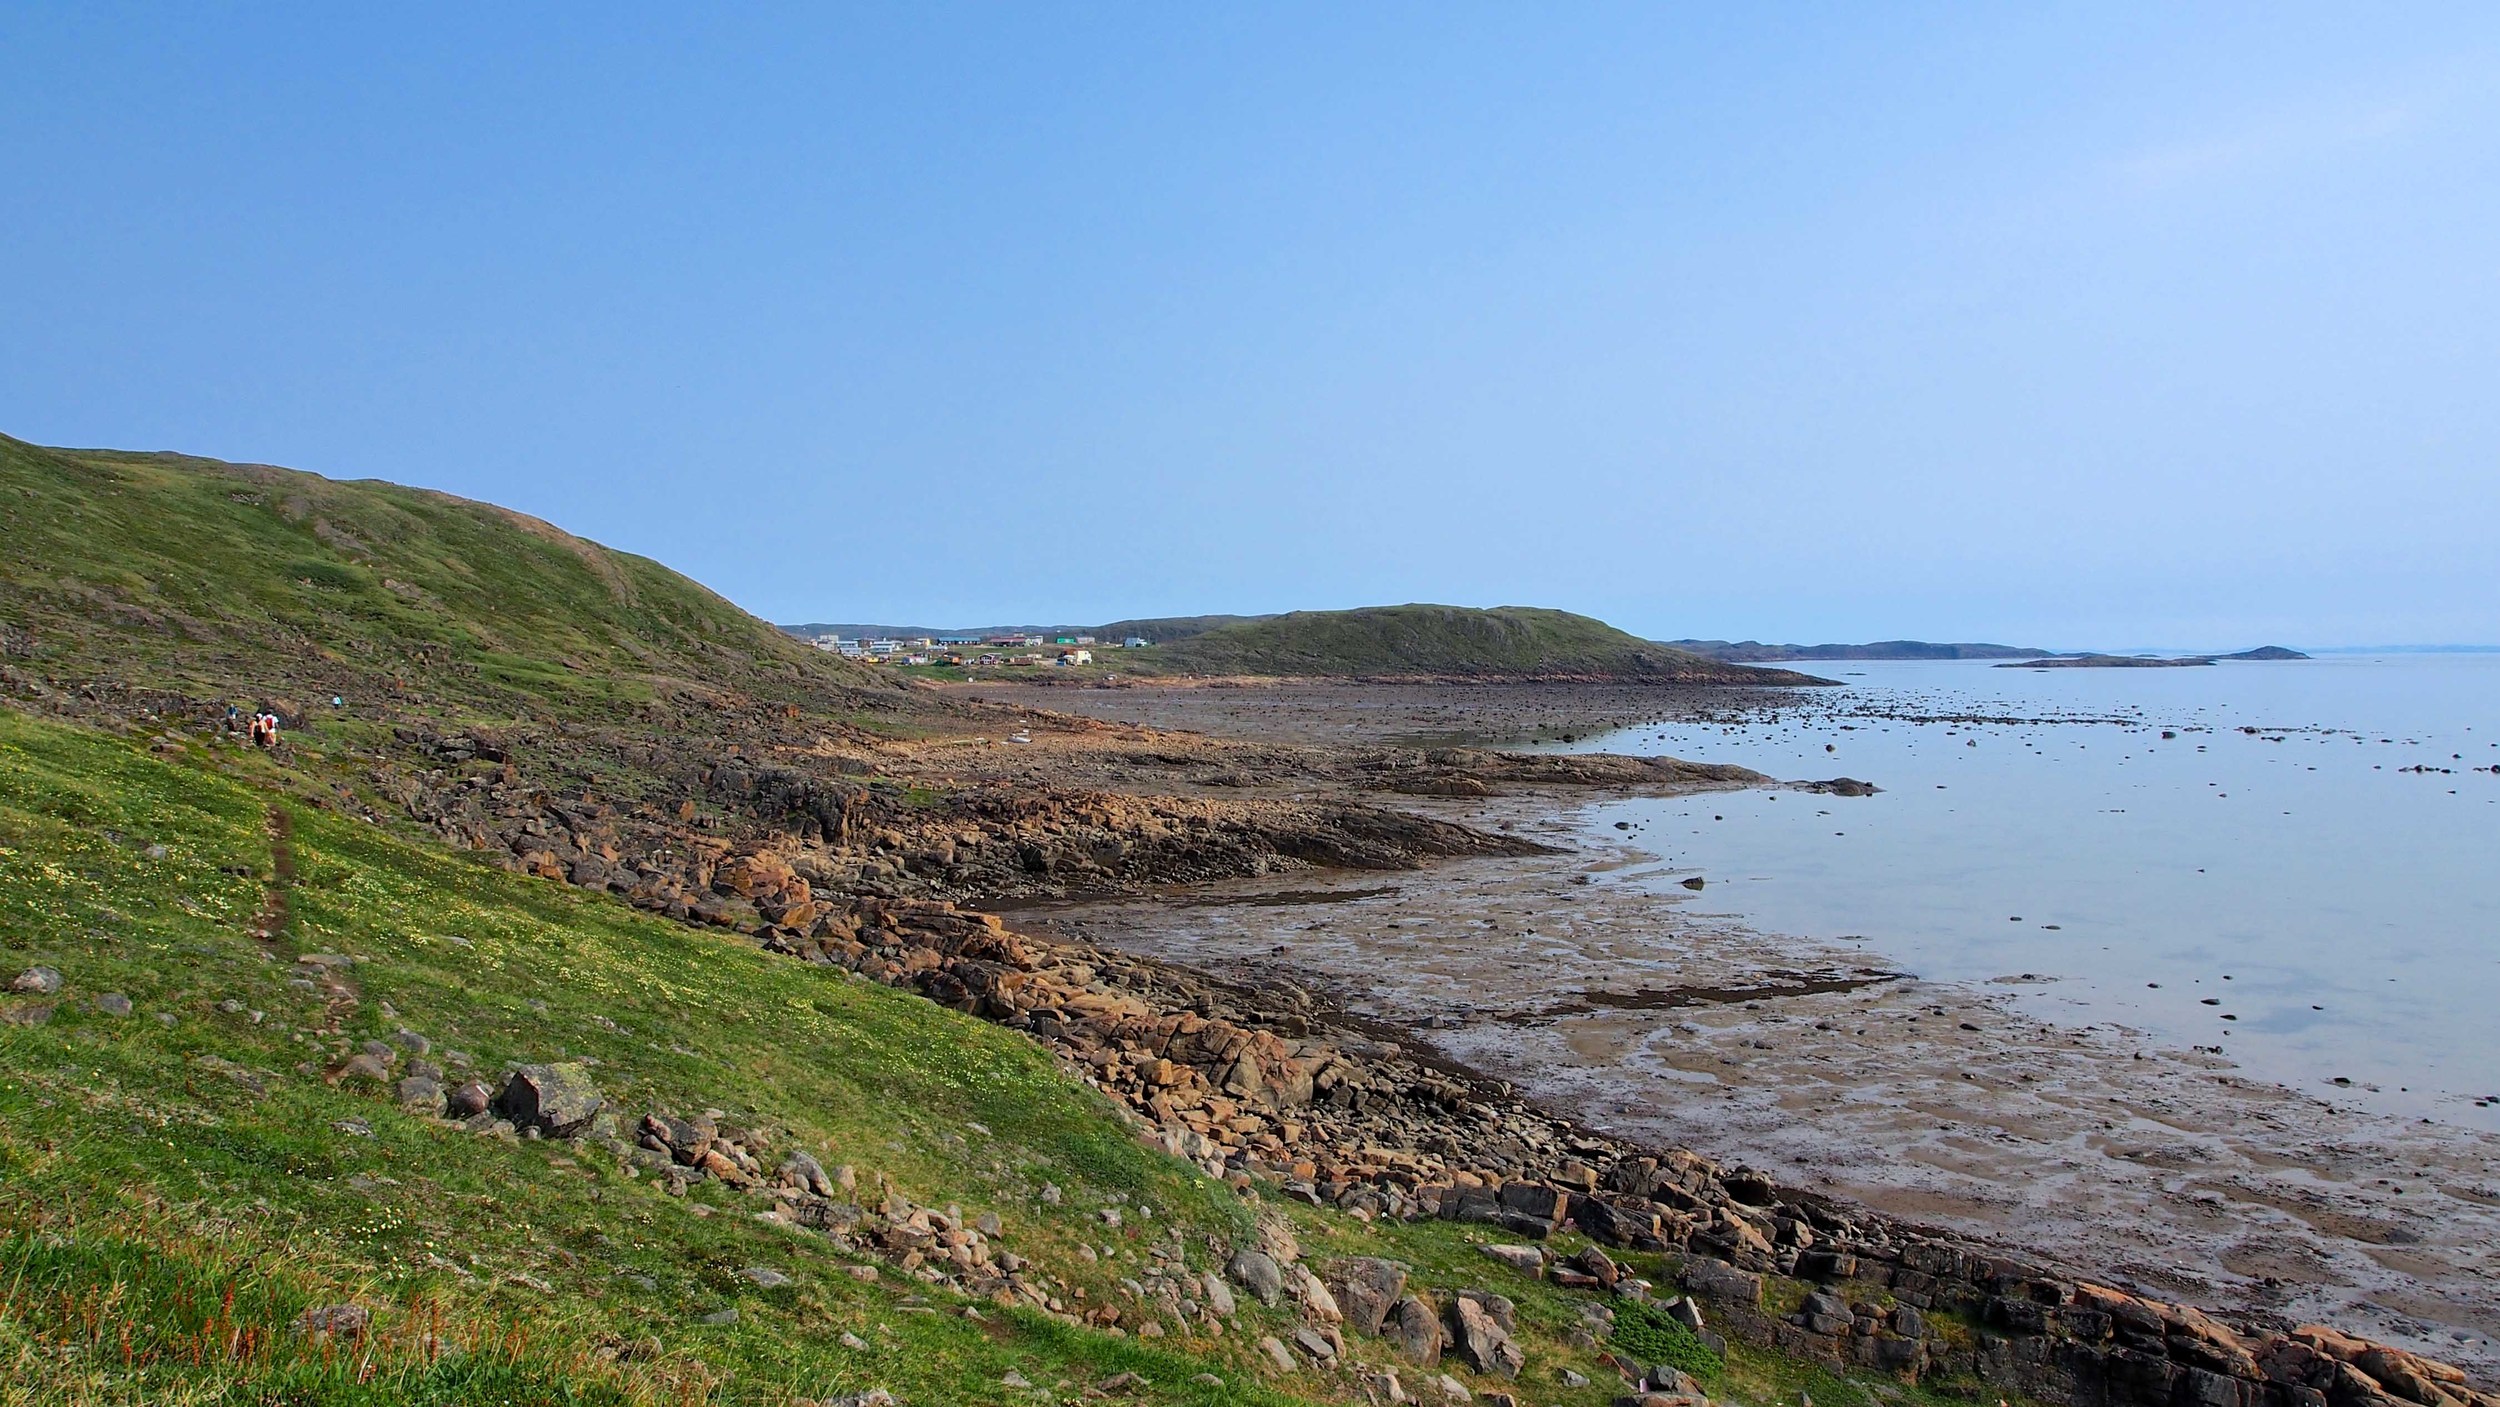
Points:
(1822, 1064)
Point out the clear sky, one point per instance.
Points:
(2041, 323)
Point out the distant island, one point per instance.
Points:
(2089, 661)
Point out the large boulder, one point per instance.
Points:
(557, 1100)
(1367, 1290)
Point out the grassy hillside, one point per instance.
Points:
(215, 579)
(193, 1178)
(1441, 641)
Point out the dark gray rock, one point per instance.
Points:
(1414, 1329)
(1714, 1279)
(422, 1095)
(1481, 1340)
(113, 1004)
(42, 981)
(468, 1101)
(557, 1100)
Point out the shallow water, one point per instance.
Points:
(2287, 894)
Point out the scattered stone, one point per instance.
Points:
(1276, 1354)
(40, 981)
(720, 1317)
(1316, 1299)
(344, 1321)
(420, 1093)
(1594, 1263)
(362, 1067)
(113, 1004)
(765, 1277)
(1453, 1390)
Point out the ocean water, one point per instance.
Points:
(2270, 881)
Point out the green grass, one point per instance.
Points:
(143, 1164)
(174, 1194)
(1645, 1333)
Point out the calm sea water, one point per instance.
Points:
(2270, 881)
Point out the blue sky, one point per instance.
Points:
(2042, 323)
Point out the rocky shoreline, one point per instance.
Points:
(1258, 1087)
(853, 853)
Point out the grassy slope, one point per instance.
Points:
(147, 1168)
(1506, 641)
(218, 579)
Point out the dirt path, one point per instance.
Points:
(331, 974)
(270, 924)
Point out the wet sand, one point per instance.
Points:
(2091, 1146)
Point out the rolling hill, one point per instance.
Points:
(1429, 641)
(165, 571)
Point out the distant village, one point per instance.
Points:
(1014, 651)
